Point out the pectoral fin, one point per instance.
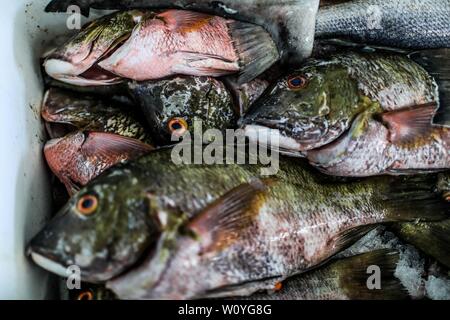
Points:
(408, 125)
(437, 63)
(226, 219)
(109, 147)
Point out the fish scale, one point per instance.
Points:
(418, 24)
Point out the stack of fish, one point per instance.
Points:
(145, 227)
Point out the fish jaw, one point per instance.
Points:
(48, 264)
(66, 72)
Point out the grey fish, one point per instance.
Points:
(416, 24)
(290, 22)
(245, 232)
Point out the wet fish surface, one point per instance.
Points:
(243, 232)
(147, 45)
(414, 24)
(291, 23)
(357, 114)
(173, 106)
(89, 113)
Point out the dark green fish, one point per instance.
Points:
(356, 114)
(84, 112)
(172, 106)
(245, 231)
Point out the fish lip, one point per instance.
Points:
(47, 260)
(66, 72)
(57, 67)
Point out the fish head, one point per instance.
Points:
(102, 230)
(64, 154)
(184, 104)
(65, 107)
(308, 108)
(75, 62)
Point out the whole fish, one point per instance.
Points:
(90, 114)
(172, 106)
(342, 279)
(75, 62)
(416, 24)
(79, 157)
(244, 231)
(291, 23)
(162, 44)
(356, 114)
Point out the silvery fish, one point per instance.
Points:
(414, 24)
(357, 114)
(156, 229)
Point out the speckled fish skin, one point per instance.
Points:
(417, 24)
(91, 114)
(192, 99)
(287, 211)
(293, 36)
(337, 90)
(151, 194)
(353, 89)
(68, 62)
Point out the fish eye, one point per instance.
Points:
(297, 82)
(87, 204)
(178, 126)
(86, 295)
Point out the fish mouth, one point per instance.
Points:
(303, 134)
(47, 260)
(49, 264)
(67, 72)
(273, 139)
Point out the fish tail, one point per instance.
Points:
(415, 198)
(433, 238)
(354, 276)
(255, 47)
